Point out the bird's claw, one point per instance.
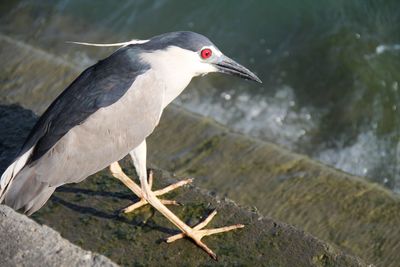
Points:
(159, 192)
(197, 233)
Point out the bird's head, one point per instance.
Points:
(183, 55)
(190, 53)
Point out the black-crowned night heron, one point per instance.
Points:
(108, 112)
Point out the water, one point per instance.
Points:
(330, 68)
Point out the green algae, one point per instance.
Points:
(330, 204)
(93, 222)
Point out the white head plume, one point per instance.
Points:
(133, 41)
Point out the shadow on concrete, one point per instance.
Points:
(15, 125)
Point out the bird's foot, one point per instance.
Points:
(159, 192)
(118, 173)
(197, 233)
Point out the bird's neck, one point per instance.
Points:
(174, 74)
(174, 87)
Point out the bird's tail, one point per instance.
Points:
(19, 187)
(10, 173)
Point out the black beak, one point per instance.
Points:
(229, 66)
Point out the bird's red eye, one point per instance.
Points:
(206, 53)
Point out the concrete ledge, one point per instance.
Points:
(87, 215)
(361, 218)
(26, 243)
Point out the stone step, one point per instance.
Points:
(87, 215)
(27, 243)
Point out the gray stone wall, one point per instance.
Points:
(26, 243)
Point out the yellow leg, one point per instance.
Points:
(117, 172)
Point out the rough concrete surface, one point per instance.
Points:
(359, 217)
(87, 214)
(26, 243)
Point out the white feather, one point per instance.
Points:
(134, 41)
(12, 171)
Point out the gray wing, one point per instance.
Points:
(70, 154)
(98, 86)
(106, 136)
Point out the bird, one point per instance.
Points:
(106, 113)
